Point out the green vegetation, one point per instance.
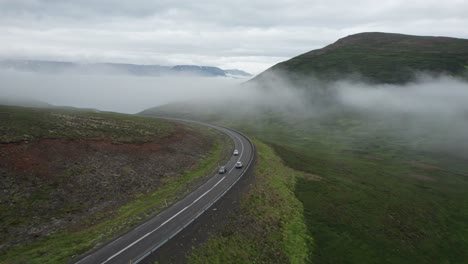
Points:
(270, 227)
(69, 243)
(63, 246)
(372, 193)
(19, 123)
(379, 186)
(378, 200)
(379, 58)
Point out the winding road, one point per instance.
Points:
(137, 244)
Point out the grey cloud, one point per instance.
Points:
(256, 13)
(147, 31)
(441, 97)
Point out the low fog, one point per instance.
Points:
(435, 108)
(118, 93)
(437, 97)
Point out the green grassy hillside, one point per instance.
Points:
(373, 193)
(380, 199)
(270, 226)
(378, 58)
(386, 182)
(22, 123)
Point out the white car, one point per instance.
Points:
(239, 165)
(222, 170)
(236, 152)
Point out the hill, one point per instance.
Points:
(72, 179)
(382, 182)
(379, 58)
(55, 67)
(25, 102)
(384, 188)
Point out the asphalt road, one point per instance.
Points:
(149, 236)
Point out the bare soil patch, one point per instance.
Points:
(48, 185)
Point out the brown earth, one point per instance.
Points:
(48, 185)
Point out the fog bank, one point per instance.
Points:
(432, 108)
(126, 94)
(444, 96)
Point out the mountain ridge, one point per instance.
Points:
(379, 57)
(53, 67)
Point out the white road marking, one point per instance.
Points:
(165, 222)
(241, 153)
(83, 259)
(185, 208)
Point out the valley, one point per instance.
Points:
(360, 155)
(382, 160)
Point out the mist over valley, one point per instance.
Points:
(243, 132)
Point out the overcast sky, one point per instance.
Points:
(251, 35)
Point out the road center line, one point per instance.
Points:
(242, 149)
(165, 222)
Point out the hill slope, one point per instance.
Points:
(71, 180)
(388, 183)
(379, 58)
(375, 192)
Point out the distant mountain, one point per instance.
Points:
(235, 72)
(38, 66)
(24, 101)
(379, 58)
(54, 67)
(199, 70)
(33, 103)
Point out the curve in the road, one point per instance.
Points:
(137, 244)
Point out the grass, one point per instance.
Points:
(19, 124)
(378, 202)
(270, 227)
(63, 246)
(383, 196)
(381, 58)
(391, 189)
(376, 66)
